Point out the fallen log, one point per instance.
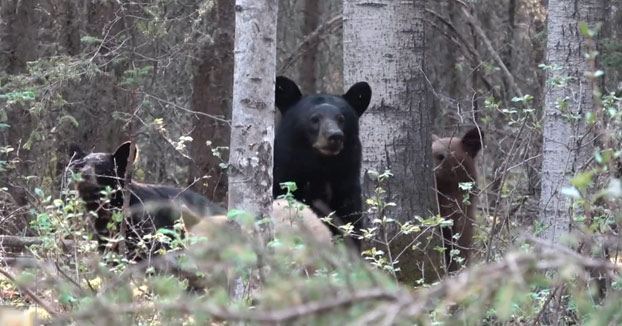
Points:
(20, 242)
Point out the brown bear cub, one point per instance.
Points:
(455, 169)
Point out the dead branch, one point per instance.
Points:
(21, 242)
(29, 293)
(275, 316)
(311, 39)
(480, 32)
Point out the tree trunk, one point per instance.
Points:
(212, 90)
(565, 149)
(611, 53)
(383, 45)
(308, 62)
(252, 127)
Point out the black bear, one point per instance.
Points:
(455, 164)
(153, 207)
(317, 146)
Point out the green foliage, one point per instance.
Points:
(135, 77)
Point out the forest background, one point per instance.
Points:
(98, 73)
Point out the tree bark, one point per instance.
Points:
(212, 90)
(252, 127)
(384, 45)
(566, 146)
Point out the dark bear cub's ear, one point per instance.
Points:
(75, 152)
(121, 157)
(358, 96)
(286, 93)
(472, 142)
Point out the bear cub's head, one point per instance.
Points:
(325, 122)
(100, 169)
(455, 158)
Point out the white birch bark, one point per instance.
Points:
(383, 45)
(252, 123)
(565, 147)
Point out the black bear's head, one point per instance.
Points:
(325, 122)
(101, 169)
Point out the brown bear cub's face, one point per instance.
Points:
(454, 159)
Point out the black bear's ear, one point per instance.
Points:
(75, 152)
(359, 96)
(121, 157)
(286, 93)
(472, 141)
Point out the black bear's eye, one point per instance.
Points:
(341, 119)
(315, 120)
(440, 157)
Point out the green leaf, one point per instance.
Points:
(583, 29)
(39, 192)
(582, 180)
(90, 39)
(465, 185)
(290, 186)
(598, 157)
(66, 298)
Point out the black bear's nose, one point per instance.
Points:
(335, 137)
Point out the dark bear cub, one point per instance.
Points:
(152, 206)
(317, 146)
(455, 164)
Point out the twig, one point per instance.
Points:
(545, 305)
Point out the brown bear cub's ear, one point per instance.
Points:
(358, 96)
(435, 138)
(286, 93)
(472, 141)
(121, 157)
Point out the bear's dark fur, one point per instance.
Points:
(317, 146)
(153, 207)
(455, 164)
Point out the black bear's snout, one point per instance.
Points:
(335, 137)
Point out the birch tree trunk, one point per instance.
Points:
(252, 125)
(383, 45)
(566, 147)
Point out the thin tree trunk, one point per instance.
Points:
(212, 90)
(383, 45)
(612, 30)
(309, 58)
(252, 127)
(565, 146)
